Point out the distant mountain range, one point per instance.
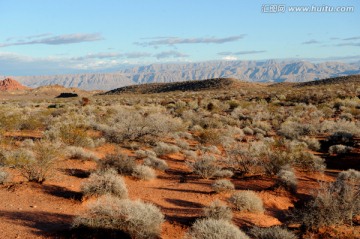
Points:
(254, 71)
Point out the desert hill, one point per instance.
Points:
(9, 84)
(331, 81)
(198, 85)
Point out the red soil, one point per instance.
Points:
(29, 210)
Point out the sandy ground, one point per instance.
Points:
(30, 210)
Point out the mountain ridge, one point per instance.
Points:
(253, 71)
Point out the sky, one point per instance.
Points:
(43, 37)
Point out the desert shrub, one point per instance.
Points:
(293, 130)
(335, 203)
(185, 135)
(217, 210)
(143, 172)
(214, 229)
(120, 162)
(156, 163)
(144, 153)
(137, 125)
(222, 185)
(28, 143)
(210, 149)
(210, 136)
(248, 131)
(206, 166)
(243, 159)
(138, 219)
(4, 176)
(224, 173)
(310, 162)
(247, 201)
(339, 126)
(163, 148)
(340, 137)
(189, 154)
(75, 152)
(35, 165)
(70, 134)
(271, 233)
(105, 182)
(311, 143)
(182, 144)
(286, 178)
(339, 149)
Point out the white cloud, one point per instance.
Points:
(230, 58)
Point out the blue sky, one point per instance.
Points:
(68, 36)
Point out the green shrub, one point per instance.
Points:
(138, 219)
(247, 201)
(106, 182)
(218, 211)
(215, 229)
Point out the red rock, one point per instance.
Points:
(9, 84)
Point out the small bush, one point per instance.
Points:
(340, 137)
(107, 182)
(120, 162)
(140, 220)
(224, 173)
(34, 166)
(223, 185)
(143, 172)
(210, 136)
(182, 144)
(206, 166)
(217, 210)
(75, 152)
(247, 201)
(163, 148)
(286, 178)
(156, 163)
(189, 154)
(215, 229)
(4, 176)
(339, 149)
(248, 131)
(144, 153)
(312, 143)
(334, 204)
(28, 143)
(271, 233)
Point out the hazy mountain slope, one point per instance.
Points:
(265, 71)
